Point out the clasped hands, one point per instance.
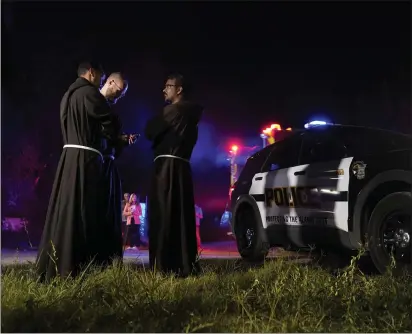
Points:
(131, 139)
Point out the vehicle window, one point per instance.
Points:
(284, 154)
(338, 142)
(319, 146)
(361, 141)
(253, 164)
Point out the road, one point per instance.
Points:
(216, 250)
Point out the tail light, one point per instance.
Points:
(231, 191)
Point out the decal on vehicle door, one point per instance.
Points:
(315, 194)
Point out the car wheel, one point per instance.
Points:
(250, 236)
(389, 233)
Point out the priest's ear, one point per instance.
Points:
(95, 73)
(179, 90)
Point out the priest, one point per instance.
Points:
(171, 207)
(114, 89)
(72, 236)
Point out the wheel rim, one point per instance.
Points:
(396, 236)
(246, 238)
(249, 236)
(246, 231)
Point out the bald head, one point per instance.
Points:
(115, 87)
(117, 76)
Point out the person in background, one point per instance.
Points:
(199, 215)
(132, 211)
(126, 198)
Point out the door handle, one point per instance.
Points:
(301, 172)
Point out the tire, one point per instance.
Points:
(392, 216)
(250, 236)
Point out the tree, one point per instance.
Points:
(21, 174)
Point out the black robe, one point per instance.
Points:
(113, 192)
(171, 207)
(72, 234)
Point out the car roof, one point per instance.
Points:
(358, 127)
(312, 129)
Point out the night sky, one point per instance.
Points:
(250, 64)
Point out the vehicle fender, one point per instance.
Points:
(388, 176)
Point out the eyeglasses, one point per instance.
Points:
(117, 85)
(121, 92)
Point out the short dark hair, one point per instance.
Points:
(87, 65)
(181, 81)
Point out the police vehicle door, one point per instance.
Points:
(276, 181)
(324, 174)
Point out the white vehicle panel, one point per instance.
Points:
(321, 180)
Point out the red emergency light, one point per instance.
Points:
(234, 148)
(274, 127)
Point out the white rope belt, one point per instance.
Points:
(170, 156)
(84, 148)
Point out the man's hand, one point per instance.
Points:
(130, 139)
(133, 138)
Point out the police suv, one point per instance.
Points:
(332, 187)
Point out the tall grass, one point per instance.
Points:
(281, 296)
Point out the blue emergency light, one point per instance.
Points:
(315, 123)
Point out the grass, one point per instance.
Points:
(281, 296)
